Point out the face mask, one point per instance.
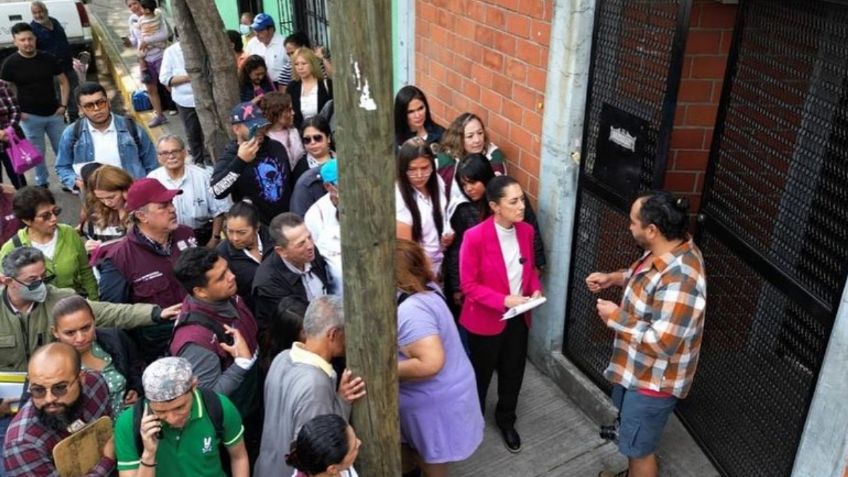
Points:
(38, 295)
(244, 30)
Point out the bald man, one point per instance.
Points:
(63, 399)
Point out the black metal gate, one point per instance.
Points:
(312, 18)
(637, 56)
(774, 232)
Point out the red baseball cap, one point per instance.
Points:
(148, 191)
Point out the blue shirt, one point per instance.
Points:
(54, 41)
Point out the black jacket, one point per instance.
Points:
(266, 181)
(274, 281)
(243, 267)
(124, 355)
(467, 215)
(325, 93)
(307, 190)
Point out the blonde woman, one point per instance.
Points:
(309, 90)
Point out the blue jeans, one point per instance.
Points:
(35, 127)
(4, 424)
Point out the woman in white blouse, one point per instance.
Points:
(420, 201)
(309, 90)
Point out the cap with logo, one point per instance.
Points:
(148, 191)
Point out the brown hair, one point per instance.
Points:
(109, 179)
(412, 269)
(273, 104)
(453, 141)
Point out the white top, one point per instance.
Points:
(323, 224)
(196, 205)
(290, 139)
(274, 54)
(309, 103)
(512, 257)
(313, 285)
(173, 64)
(49, 248)
(105, 144)
(430, 240)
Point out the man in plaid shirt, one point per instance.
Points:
(658, 327)
(62, 397)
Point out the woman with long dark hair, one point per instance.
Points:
(497, 268)
(420, 201)
(412, 117)
(254, 81)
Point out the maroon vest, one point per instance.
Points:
(204, 337)
(150, 276)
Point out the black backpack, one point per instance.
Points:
(211, 402)
(131, 127)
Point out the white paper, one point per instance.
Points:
(520, 309)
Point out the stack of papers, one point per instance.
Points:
(520, 309)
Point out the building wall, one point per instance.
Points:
(705, 61)
(488, 57)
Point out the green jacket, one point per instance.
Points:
(70, 261)
(21, 335)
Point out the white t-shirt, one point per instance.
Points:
(49, 248)
(309, 103)
(512, 257)
(274, 54)
(322, 223)
(105, 144)
(197, 204)
(430, 240)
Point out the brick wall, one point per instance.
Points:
(488, 57)
(710, 34)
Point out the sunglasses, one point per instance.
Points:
(32, 286)
(318, 138)
(45, 216)
(57, 390)
(96, 104)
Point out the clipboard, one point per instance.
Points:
(520, 309)
(78, 453)
(12, 385)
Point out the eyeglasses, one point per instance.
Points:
(318, 138)
(32, 286)
(420, 172)
(57, 390)
(170, 153)
(45, 216)
(96, 104)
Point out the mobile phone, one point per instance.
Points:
(147, 412)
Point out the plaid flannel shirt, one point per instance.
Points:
(659, 326)
(29, 444)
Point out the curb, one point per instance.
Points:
(121, 73)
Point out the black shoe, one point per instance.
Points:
(512, 440)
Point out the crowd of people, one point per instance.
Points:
(202, 303)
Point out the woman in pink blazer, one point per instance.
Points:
(496, 273)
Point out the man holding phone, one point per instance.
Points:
(254, 166)
(178, 434)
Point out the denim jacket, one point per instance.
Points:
(138, 161)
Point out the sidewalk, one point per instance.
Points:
(108, 25)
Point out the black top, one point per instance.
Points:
(274, 281)
(325, 93)
(244, 267)
(307, 190)
(266, 181)
(124, 355)
(34, 79)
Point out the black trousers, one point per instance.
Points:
(505, 353)
(194, 135)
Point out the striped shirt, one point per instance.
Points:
(659, 326)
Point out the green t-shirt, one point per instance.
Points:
(192, 450)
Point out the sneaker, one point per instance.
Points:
(609, 473)
(159, 120)
(74, 191)
(173, 112)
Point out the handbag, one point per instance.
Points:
(141, 101)
(22, 153)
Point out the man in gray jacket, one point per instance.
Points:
(301, 384)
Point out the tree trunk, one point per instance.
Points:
(209, 61)
(363, 103)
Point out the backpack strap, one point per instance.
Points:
(138, 414)
(132, 127)
(77, 132)
(212, 403)
(197, 318)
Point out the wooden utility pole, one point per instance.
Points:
(210, 63)
(362, 80)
